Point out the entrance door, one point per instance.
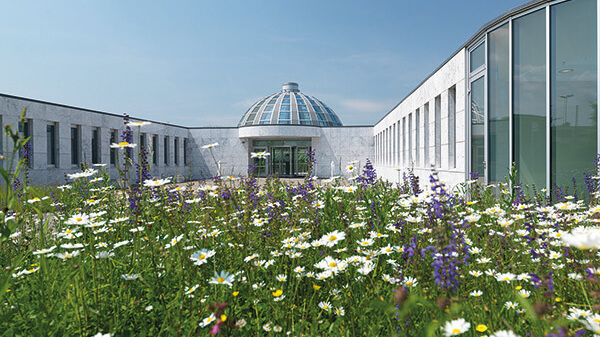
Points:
(281, 161)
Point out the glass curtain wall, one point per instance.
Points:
(541, 67)
(573, 91)
(529, 98)
(498, 109)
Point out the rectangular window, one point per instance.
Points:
(438, 131)
(529, 98)
(477, 124)
(25, 130)
(51, 147)
(417, 140)
(95, 146)
(452, 127)
(75, 145)
(404, 141)
(426, 134)
(166, 150)
(498, 132)
(185, 152)
(113, 152)
(477, 57)
(399, 142)
(573, 92)
(410, 141)
(176, 151)
(393, 140)
(155, 150)
(143, 139)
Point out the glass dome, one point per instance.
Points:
(290, 106)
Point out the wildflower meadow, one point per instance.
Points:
(348, 256)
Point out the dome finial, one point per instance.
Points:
(290, 87)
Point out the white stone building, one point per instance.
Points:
(523, 89)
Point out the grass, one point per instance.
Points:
(231, 257)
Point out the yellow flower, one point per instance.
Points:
(316, 287)
(558, 299)
(481, 328)
(223, 318)
(519, 288)
(235, 293)
(277, 292)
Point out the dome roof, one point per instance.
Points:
(290, 106)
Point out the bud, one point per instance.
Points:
(400, 296)
(443, 303)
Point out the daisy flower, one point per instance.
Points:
(200, 257)
(456, 327)
(222, 278)
(325, 306)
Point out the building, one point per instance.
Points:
(523, 89)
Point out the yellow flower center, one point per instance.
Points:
(123, 143)
(202, 256)
(455, 331)
(333, 264)
(220, 280)
(332, 238)
(79, 219)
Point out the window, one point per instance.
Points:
(176, 150)
(477, 125)
(438, 131)
(573, 91)
(51, 146)
(452, 127)
(95, 146)
(477, 57)
(410, 142)
(113, 152)
(417, 138)
(75, 145)
(185, 152)
(498, 124)
(25, 130)
(427, 163)
(529, 98)
(143, 144)
(404, 141)
(166, 150)
(155, 150)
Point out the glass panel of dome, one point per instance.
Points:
(321, 117)
(284, 115)
(312, 101)
(323, 124)
(255, 108)
(305, 123)
(302, 108)
(317, 108)
(251, 117)
(304, 115)
(273, 100)
(285, 108)
(265, 116)
(286, 100)
(265, 122)
(284, 122)
(269, 107)
(299, 101)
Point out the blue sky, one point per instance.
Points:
(203, 63)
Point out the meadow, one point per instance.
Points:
(350, 256)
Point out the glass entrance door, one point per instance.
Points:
(281, 161)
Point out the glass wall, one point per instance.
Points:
(477, 126)
(534, 78)
(529, 98)
(573, 90)
(498, 131)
